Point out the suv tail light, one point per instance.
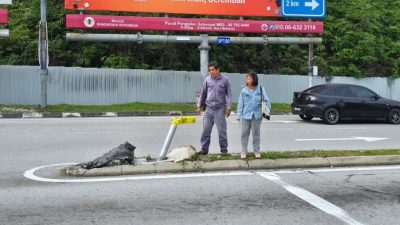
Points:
(311, 98)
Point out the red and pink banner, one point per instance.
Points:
(75, 21)
(269, 8)
(3, 16)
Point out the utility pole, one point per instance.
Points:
(204, 55)
(310, 62)
(43, 53)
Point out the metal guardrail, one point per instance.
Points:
(4, 33)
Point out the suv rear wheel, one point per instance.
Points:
(394, 116)
(331, 116)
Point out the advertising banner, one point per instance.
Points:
(76, 21)
(3, 16)
(269, 8)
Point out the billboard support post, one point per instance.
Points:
(43, 53)
(204, 55)
(310, 62)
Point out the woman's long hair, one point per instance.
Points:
(254, 76)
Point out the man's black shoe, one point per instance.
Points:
(202, 152)
(224, 152)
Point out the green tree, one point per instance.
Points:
(362, 38)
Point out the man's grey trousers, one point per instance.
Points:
(214, 116)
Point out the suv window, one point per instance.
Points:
(322, 89)
(344, 91)
(363, 92)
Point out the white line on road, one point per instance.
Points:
(271, 121)
(280, 128)
(92, 132)
(352, 128)
(281, 121)
(30, 174)
(311, 198)
(367, 139)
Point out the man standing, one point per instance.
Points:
(216, 96)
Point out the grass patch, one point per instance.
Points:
(19, 108)
(129, 107)
(298, 154)
(281, 107)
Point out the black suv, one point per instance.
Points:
(333, 102)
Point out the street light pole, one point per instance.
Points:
(43, 53)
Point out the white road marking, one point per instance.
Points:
(92, 132)
(280, 128)
(311, 198)
(367, 139)
(271, 121)
(352, 128)
(281, 121)
(30, 174)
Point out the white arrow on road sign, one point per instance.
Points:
(313, 4)
(304, 8)
(367, 139)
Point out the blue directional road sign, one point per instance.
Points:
(304, 8)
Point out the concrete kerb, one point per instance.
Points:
(224, 165)
(364, 160)
(20, 115)
(289, 163)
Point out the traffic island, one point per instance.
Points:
(276, 160)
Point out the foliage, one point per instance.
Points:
(362, 38)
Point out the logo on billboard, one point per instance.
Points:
(264, 27)
(89, 22)
(271, 27)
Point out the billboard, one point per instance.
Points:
(75, 21)
(3, 16)
(269, 8)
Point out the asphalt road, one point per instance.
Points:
(85, 138)
(366, 196)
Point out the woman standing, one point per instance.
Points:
(250, 113)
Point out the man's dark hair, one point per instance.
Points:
(254, 76)
(214, 64)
